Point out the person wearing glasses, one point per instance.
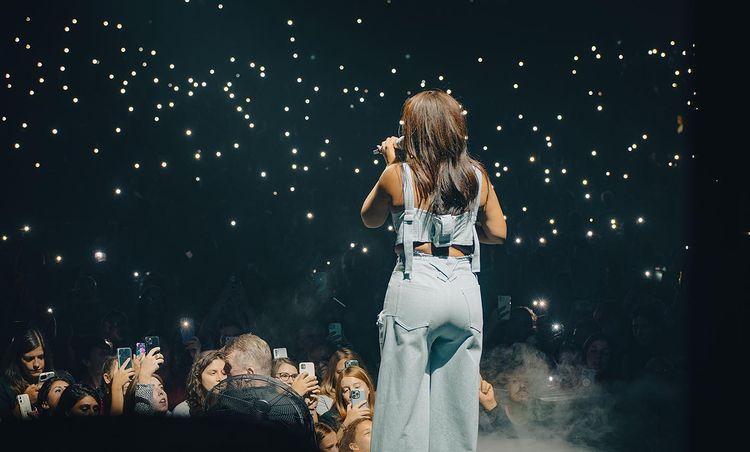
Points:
(305, 385)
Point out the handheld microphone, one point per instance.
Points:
(400, 141)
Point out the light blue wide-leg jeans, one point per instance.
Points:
(430, 344)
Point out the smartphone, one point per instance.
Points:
(335, 329)
(187, 329)
(140, 349)
(279, 353)
(24, 403)
(44, 376)
(503, 307)
(359, 397)
(350, 362)
(151, 342)
(226, 339)
(122, 355)
(307, 367)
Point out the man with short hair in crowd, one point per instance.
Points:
(248, 354)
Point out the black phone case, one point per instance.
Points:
(151, 342)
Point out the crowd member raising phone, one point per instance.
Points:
(354, 381)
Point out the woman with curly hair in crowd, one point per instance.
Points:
(207, 371)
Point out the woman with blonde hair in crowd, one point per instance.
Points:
(344, 412)
(336, 365)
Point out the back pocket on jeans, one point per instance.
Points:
(413, 306)
(473, 297)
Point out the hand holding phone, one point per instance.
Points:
(24, 405)
(123, 354)
(359, 397)
(44, 376)
(307, 367)
(306, 382)
(32, 391)
(151, 342)
(151, 362)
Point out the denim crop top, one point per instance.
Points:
(418, 225)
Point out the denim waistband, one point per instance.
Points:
(421, 255)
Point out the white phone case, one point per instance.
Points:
(25, 404)
(307, 367)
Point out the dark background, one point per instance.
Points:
(164, 213)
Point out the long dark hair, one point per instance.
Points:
(72, 395)
(434, 130)
(196, 393)
(24, 342)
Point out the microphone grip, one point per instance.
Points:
(397, 145)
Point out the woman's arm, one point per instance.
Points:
(377, 205)
(492, 229)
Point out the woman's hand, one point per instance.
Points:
(305, 383)
(388, 149)
(360, 412)
(33, 392)
(487, 396)
(150, 363)
(121, 376)
(312, 405)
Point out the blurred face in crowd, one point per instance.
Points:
(362, 437)
(518, 390)
(159, 397)
(87, 406)
(32, 363)
(340, 368)
(349, 383)
(286, 373)
(213, 374)
(319, 355)
(96, 359)
(55, 391)
(113, 329)
(597, 355)
(643, 330)
(328, 443)
(228, 331)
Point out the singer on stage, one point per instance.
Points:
(442, 206)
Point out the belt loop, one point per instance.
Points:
(408, 243)
(475, 256)
(408, 219)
